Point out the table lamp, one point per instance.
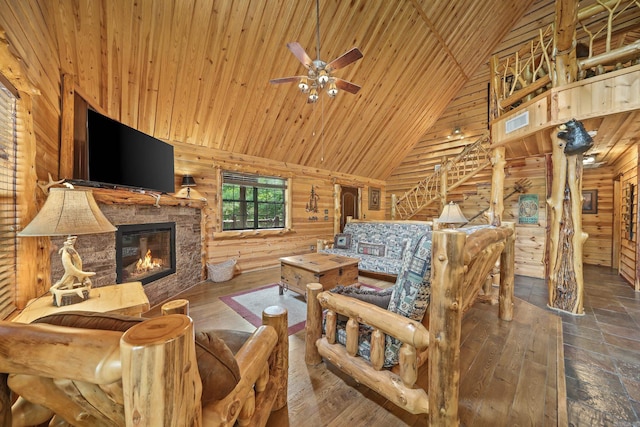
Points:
(69, 212)
(452, 216)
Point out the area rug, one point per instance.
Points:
(249, 304)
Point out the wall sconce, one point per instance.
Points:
(69, 212)
(452, 216)
(187, 191)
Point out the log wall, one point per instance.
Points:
(260, 250)
(33, 46)
(598, 248)
(627, 169)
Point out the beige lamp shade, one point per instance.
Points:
(451, 214)
(68, 212)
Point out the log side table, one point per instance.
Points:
(329, 270)
(126, 298)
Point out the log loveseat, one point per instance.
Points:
(379, 245)
(95, 369)
(384, 348)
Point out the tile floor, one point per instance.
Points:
(601, 349)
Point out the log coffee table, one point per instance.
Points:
(329, 270)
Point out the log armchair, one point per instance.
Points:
(383, 348)
(94, 369)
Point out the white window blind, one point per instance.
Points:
(8, 211)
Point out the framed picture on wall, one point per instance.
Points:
(589, 201)
(374, 199)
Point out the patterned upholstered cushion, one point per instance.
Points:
(373, 249)
(412, 290)
(395, 236)
(410, 298)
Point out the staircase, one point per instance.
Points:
(459, 169)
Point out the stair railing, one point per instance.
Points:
(459, 169)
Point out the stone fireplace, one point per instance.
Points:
(145, 252)
(99, 252)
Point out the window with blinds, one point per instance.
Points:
(8, 210)
(252, 202)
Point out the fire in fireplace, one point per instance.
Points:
(145, 252)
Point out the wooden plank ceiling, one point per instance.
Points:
(197, 71)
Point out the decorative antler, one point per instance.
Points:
(44, 186)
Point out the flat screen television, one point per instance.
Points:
(116, 155)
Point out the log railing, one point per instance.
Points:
(535, 68)
(451, 174)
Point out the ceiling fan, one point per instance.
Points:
(319, 73)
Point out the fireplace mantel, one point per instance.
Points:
(133, 197)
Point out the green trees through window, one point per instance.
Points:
(252, 201)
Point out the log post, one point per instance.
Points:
(443, 183)
(445, 318)
(496, 208)
(337, 211)
(162, 347)
(507, 268)
(564, 37)
(394, 201)
(566, 238)
(313, 328)
(178, 306)
(278, 318)
(67, 94)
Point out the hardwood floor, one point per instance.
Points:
(509, 370)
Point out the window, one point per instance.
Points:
(252, 202)
(8, 210)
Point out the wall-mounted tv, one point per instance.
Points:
(116, 155)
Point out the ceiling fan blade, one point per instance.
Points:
(285, 80)
(300, 53)
(347, 86)
(344, 60)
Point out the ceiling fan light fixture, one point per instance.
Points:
(323, 77)
(303, 85)
(313, 95)
(333, 90)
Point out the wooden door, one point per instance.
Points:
(348, 205)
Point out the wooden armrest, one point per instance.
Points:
(255, 353)
(480, 239)
(87, 355)
(406, 330)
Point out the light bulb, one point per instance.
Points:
(313, 95)
(303, 85)
(333, 90)
(323, 77)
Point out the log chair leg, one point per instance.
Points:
(178, 306)
(313, 329)
(445, 319)
(278, 318)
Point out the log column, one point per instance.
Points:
(445, 319)
(277, 317)
(160, 369)
(566, 238)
